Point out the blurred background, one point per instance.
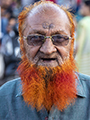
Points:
(9, 44)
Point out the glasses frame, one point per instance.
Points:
(46, 37)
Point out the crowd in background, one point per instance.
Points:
(9, 44)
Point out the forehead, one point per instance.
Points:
(46, 15)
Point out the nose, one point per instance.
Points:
(48, 47)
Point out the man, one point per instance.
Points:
(48, 87)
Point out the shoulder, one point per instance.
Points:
(10, 87)
(84, 76)
(84, 79)
(8, 93)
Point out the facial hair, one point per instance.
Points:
(46, 86)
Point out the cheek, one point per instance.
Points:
(63, 51)
(31, 51)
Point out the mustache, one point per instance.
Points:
(40, 55)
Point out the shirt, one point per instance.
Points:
(13, 107)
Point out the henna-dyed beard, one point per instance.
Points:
(44, 87)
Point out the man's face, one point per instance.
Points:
(47, 23)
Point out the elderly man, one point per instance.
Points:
(48, 87)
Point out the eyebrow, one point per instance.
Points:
(52, 33)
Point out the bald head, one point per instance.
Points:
(49, 10)
(47, 16)
(44, 8)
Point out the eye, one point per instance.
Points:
(35, 40)
(60, 40)
(32, 38)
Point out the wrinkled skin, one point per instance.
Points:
(47, 22)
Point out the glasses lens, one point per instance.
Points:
(35, 40)
(60, 40)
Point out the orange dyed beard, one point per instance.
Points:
(44, 87)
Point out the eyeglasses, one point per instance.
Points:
(37, 40)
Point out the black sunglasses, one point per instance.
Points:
(37, 40)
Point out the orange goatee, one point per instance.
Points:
(44, 87)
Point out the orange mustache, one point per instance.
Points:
(59, 89)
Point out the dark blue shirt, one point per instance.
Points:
(13, 107)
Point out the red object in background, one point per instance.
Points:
(78, 2)
(46, 118)
(55, 1)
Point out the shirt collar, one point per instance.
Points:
(19, 91)
(80, 86)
